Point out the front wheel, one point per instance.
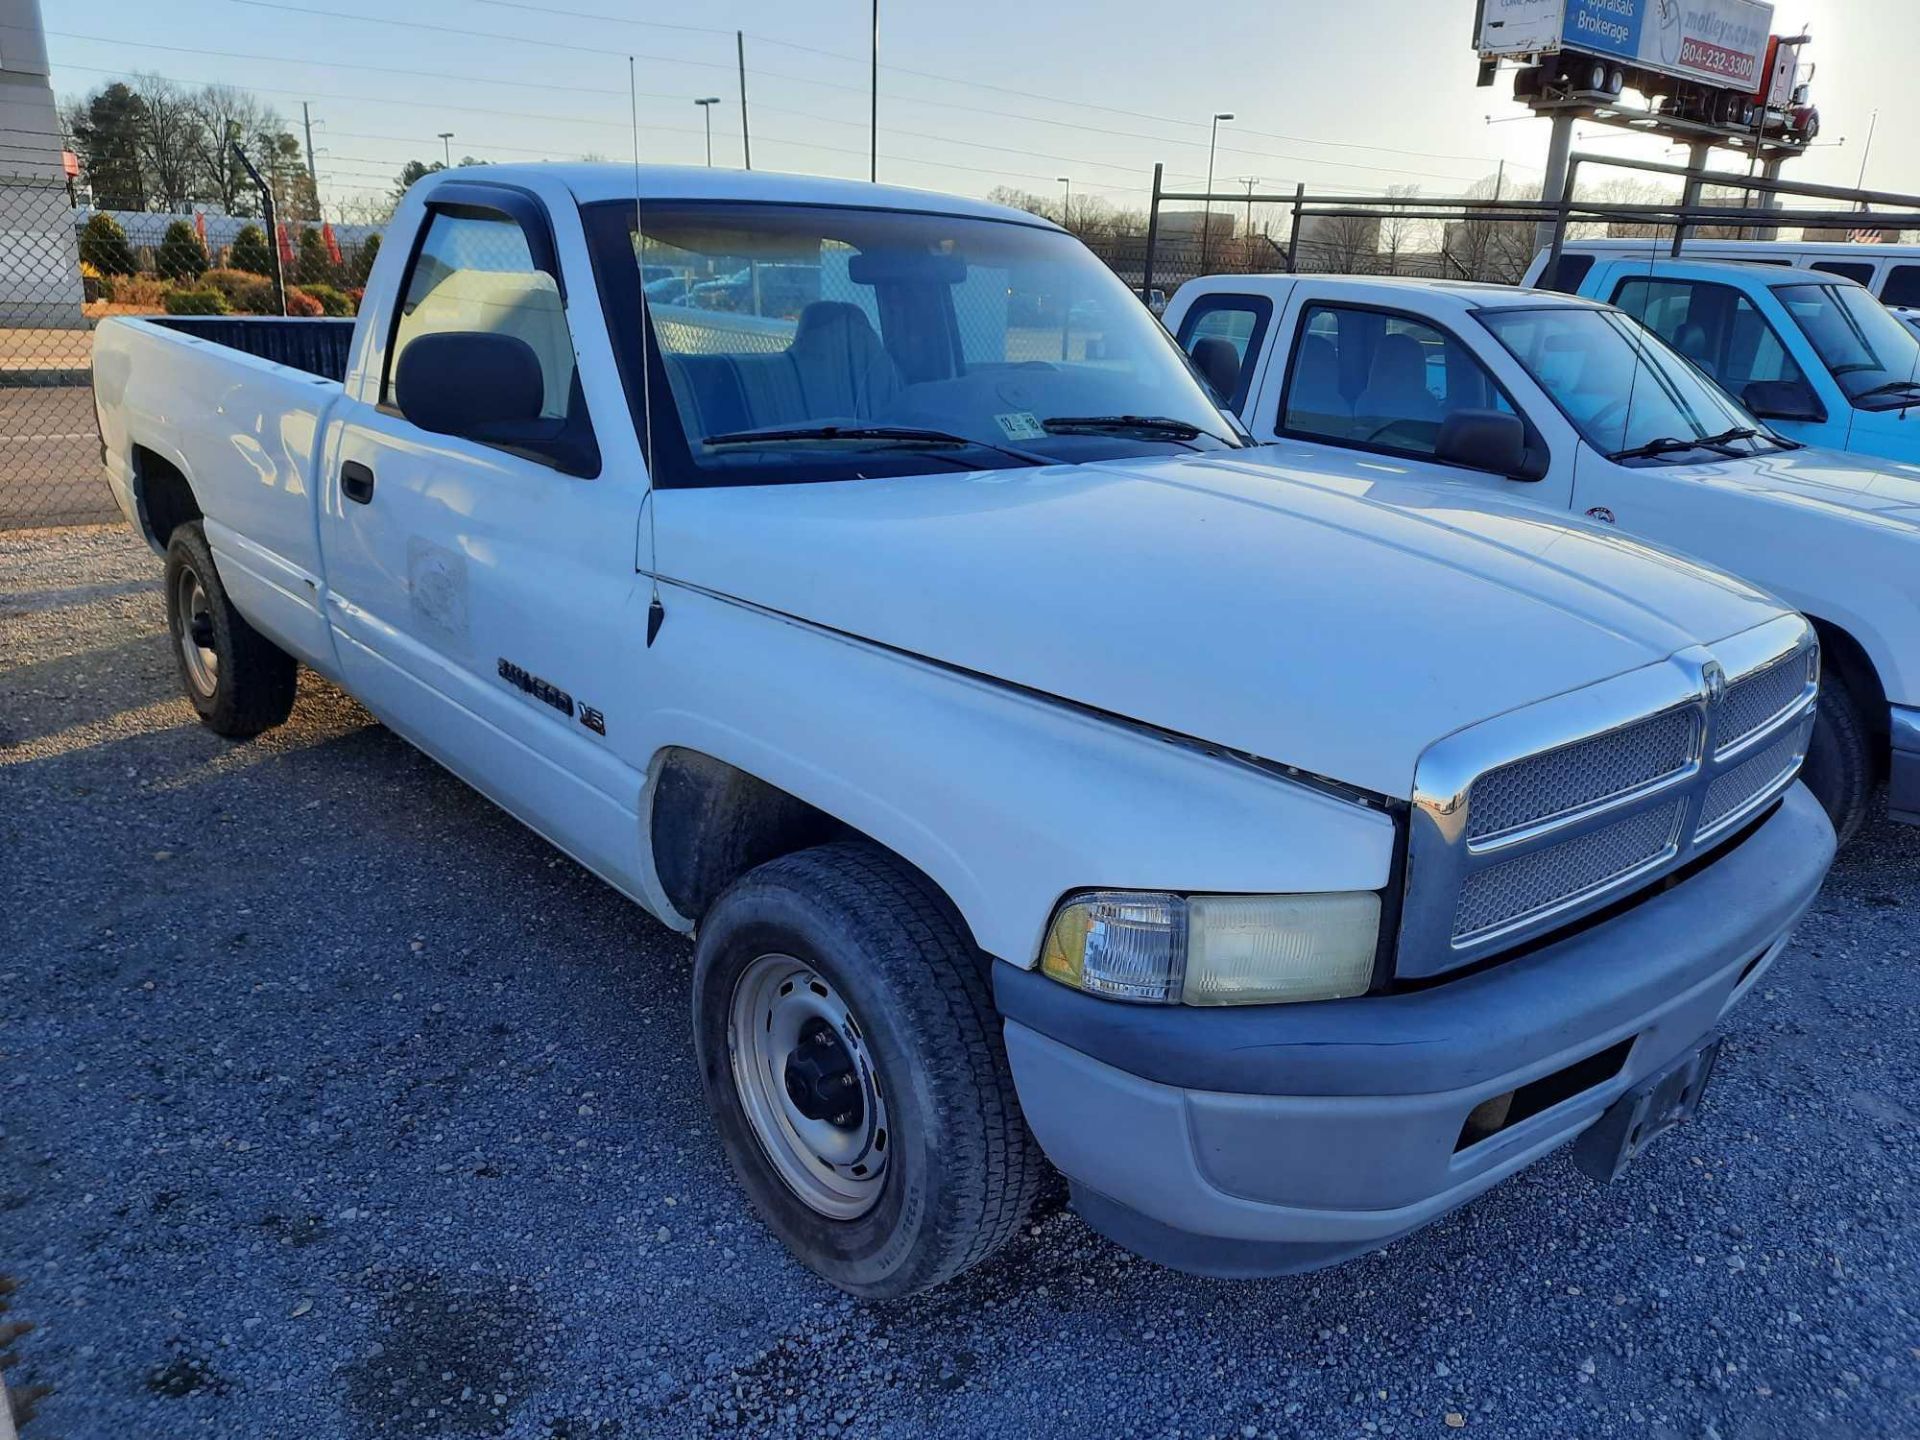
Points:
(1840, 768)
(852, 1058)
(239, 681)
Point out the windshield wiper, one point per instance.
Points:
(1671, 445)
(1160, 426)
(889, 434)
(1892, 387)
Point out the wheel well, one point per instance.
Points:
(165, 498)
(1844, 658)
(711, 823)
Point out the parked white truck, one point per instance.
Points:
(1491, 394)
(1028, 762)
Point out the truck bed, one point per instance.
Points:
(318, 347)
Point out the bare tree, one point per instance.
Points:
(227, 113)
(171, 143)
(1398, 233)
(1346, 243)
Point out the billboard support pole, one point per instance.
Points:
(1698, 155)
(1558, 149)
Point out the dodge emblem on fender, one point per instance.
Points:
(1602, 514)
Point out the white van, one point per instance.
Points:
(1891, 272)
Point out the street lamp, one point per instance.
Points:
(1206, 218)
(706, 109)
(446, 147)
(1066, 211)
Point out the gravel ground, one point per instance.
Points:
(334, 1103)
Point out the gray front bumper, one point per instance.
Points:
(1283, 1138)
(1903, 775)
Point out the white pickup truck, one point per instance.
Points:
(888, 605)
(1489, 393)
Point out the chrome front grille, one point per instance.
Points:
(1575, 776)
(1502, 893)
(1540, 816)
(1753, 704)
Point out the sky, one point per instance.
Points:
(1351, 96)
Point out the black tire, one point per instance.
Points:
(961, 1171)
(1840, 768)
(250, 686)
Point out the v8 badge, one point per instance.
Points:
(1602, 514)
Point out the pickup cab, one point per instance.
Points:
(1043, 775)
(1814, 355)
(1566, 405)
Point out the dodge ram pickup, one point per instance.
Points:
(1567, 405)
(885, 603)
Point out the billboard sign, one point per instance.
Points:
(1717, 42)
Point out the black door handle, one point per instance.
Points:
(356, 482)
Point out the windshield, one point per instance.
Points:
(792, 342)
(1873, 356)
(1623, 388)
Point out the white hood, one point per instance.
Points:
(1340, 627)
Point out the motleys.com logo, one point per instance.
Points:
(1717, 27)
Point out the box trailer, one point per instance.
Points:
(1663, 48)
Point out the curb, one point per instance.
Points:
(46, 379)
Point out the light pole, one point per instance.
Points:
(1206, 217)
(706, 109)
(446, 147)
(1066, 210)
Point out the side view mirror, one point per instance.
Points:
(1783, 400)
(471, 383)
(1489, 440)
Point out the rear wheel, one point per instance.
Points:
(1840, 768)
(239, 681)
(852, 1058)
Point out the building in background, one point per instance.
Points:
(39, 257)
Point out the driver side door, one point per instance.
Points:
(484, 596)
(1388, 383)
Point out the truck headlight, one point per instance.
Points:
(1214, 949)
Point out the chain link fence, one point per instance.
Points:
(49, 448)
(63, 270)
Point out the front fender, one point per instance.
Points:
(1005, 799)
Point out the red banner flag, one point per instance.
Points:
(286, 246)
(333, 245)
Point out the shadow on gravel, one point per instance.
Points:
(91, 688)
(448, 1357)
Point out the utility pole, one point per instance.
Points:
(446, 147)
(1066, 210)
(313, 175)
(873, 155)
(1499, 181)
(1249, 181)
(706, 109)
(746, 133)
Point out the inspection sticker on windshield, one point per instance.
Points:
(1022, 425)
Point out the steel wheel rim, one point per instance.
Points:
(773, 1032)
(196, 632)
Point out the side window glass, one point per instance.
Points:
(1222, 334)
(1573, 270)
(1715, 326)
(1852, 269)
(477, 274)
(1386, 381)
(1903, 286)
